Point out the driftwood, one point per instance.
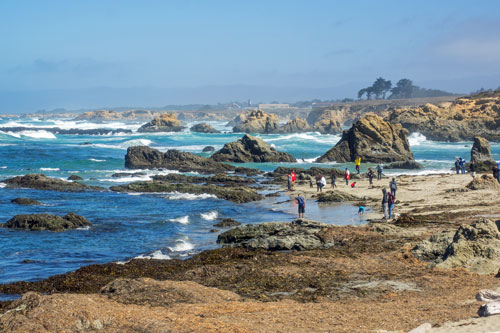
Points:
(486, 295)
(493, 305)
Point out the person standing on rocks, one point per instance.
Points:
(334, 179)
(318, 182)
(391, 201)
(384, 202)
(302, 205)
(293, 178)
(347, 176)
(379, 171)
(472, 168)
(393, 186)
(357, 162)
(370, 175)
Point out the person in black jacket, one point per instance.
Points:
(472, 168)
(393, 186)
(495, 172)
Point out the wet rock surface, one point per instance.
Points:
(250, 149)
(42, 182)
(372, 139)
(144, 157)
(226, 223)
(257, 122)
(75, 177)
(26, 201)
(410, 165)
(336, 196)
(208, 149)
(299, 234)
(203, 128)
(39, 222)
(167, 122)
(218, 179)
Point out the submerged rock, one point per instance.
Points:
(128, 174)
(203, 128)
(75, 177)
(167, 122)
(40, 222)
(26, 201)
(372, 139)
(218, 179)
(258, 122)
(404, 165)
(227, 222)
(250, 149)
(299, 234)
(144, 157)
(208, 149)
(42, 182)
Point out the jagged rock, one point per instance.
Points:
(336, 196)
(483, 182)
(299, 234)
(47, 222)
(250, 149)
(144, 157)
(26, 201)
(481, 150)
(75, 177)
(146, 291)
(404, 165)
(296, 125)
(167, 122)
(326, 121)
(238, 194)
(227, 222)
(203, 128)
(238, 119)
(372, 139)
(42, 182)
(208, 149)
(475, 247)
(258, 122)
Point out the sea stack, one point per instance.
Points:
(372, 139)
(258, 122)
(167, 122)
(481, 154)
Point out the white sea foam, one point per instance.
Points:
(71, 124)
(316, 137)
(37, 134)
(154, 255)
(2, 185)
(308, 160)
(49, 169)
(181, 245)
(96, 160)
(3, 167)
(83, 228)
(190, 196)
(210, 216)
(416, 139)
(15, 135)
(125, 145)
(182, 219)
(419, 172)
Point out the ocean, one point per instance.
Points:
(154, 226)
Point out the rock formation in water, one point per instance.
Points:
(481, 155)
(326, 121)
(42, 182)
(167, 122)
(250, 149)
(41, 222)
(109, 115)
(372, 139)
(203, 128)
(26, 201)
(296, 125)
(258, 122)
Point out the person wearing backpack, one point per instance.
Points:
(302, 205)
(379, 172)
(393, 186)
(391, 201)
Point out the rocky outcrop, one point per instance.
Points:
(109, 115)
(296, 125)
(460, 120)
(336, 196)
(40, 222)
(410, 165)
(238, 194)
(475, 247)
(75, 177)
(167, 122)
(372, 139)
(218, 179)
(483, 182)
(26, 201)
(144, 157)
(326, 121)
(481, 155)
(258, 122)
(208, 149)
(203, 128)
(42, 182)
(250, 149)
(226, 223)
(299, 234)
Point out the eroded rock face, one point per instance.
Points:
(250, 149)
(475, 247)
(296, 125)
(203, 128)
(258, 122)
(299, 234)
(42, 182)
(372, 139)
(40, 222)
(326, 121)
(144, 157)
(167, 122)
(481, 150)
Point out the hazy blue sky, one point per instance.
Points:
(453, 45)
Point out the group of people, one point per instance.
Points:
(460, 165)
(389, 199)
(291, 180)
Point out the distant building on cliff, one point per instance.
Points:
(273, 106)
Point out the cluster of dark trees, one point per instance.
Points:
(403, 89)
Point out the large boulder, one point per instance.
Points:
(326, 121)
(372, 139)
(404, 165)
(144, 157)
(250, 149)
(258, 122)
(299, 234)
(47, 222)
(296, 125)
(167, 122)
(203, 128)
(42, 182)
(481, 155)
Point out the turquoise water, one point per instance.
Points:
(167, 225)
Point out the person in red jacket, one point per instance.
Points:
(347, 176)
(293, 178)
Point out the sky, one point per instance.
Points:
(180, 52)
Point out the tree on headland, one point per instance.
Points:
(403, 89)
(379, 88)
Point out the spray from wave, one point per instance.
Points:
(210, 216)
(182, 219)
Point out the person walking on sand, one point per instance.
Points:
(302, 205)
(384, 202)
(334, 179)
(391, 201)
(370, 175)
(472, 168)
(357, 162)
(293, 178)
(347, 176)
(289, 182)
(393, 186)
(322, 183)
(379, 171)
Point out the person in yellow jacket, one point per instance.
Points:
(358, 163)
